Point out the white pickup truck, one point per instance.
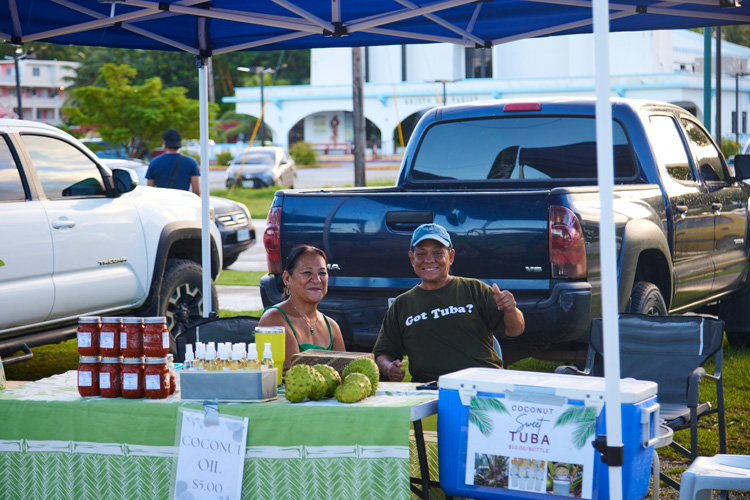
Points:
(79, 239)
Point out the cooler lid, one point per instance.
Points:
(572, 387)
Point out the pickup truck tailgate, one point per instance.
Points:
(368, 246)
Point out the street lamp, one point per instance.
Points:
(261, 71)
(445, 97)
(17, 56)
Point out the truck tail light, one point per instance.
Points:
(567, 251)
(272, 241)
(522, 106)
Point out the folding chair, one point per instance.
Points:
(234, 329)
(671, 351)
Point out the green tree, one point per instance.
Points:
(133, 115)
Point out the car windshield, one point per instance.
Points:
(255, 158)
(517, 149)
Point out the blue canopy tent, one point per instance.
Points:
(205, 29)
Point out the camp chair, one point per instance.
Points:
(234, 329)
(671, 351)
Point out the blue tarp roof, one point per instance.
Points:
(222, 26)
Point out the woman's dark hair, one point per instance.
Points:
(298, 252)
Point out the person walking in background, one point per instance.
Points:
(172, 169)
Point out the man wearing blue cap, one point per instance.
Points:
(445, 323)
(172, 169)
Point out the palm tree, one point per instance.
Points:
(584, 418)
(479, 411)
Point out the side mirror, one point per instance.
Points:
(125, 180)
(741, 167)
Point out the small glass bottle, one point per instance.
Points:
(172, 374)
(132, 378)
(209, 362)
(267, 362)
(109, 377)
(200, 356)
(88, 335)
(109, 337)
(131, 337)
(88, 376)
(189, 363)
(223, 364)
(155, 337)
(156, 378)
(236, 362)
(253, 363)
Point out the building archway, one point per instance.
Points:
(333, 132)
(407, 128)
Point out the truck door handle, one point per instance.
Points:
(63, 223)
(716, 207)
(408, 220)
(682, 210)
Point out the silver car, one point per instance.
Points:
(259, 167)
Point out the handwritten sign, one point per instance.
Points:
(529, 446)
(211, 457)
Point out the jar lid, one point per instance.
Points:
(269, 329)
(113, 359)
(156, 361)
(155, 319)
(88, 319)
(112, 320)
(132, 361)
(89, 359)
(132, 320)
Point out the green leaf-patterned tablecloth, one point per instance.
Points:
(56, 445)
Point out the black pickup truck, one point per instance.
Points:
(515, 184)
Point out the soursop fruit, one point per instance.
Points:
(356, 387)
(319, 386)
(367, 367)
(332, 377)
(299, 382)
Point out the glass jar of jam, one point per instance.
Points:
(109, 377)
(172, 374)
(88, 335)
(131, 338)
(109, 337)
(88, 376)
(156, 378)
(155, 337)
(132, 378)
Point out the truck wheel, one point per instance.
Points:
(181, 299)
(228, 261)
(646, 299)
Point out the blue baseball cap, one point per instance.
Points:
(431, 232)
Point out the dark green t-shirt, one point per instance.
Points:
(442, 330)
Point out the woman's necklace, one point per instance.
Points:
(311, 327)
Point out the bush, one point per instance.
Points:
(223, 158)
(729, 147)
(303, 153)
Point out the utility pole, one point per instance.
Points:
(358, 117)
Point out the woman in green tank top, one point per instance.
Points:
(306, 283)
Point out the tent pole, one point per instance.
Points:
(607, 241)
(205, 216)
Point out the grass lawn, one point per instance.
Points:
(240, 278)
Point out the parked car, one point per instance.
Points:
(233, 219)
(79, 239)
(260, 167)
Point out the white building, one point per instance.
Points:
(42, 88)
(404, 81)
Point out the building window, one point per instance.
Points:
(53, 93)
(734, 122)
(35, 71)
(478, 63)
(8, 71)
(12, 92)
(744, 122)
(33, 92)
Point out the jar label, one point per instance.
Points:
(123, 340)
(84, 379)
(130, 381)
(165, 340)
(107, 340)
(84, 339)
(104, 380)
(264, 367)
(153, 382)
(226, 369)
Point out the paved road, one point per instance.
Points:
(240, 298)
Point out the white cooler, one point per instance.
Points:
(513, 434)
